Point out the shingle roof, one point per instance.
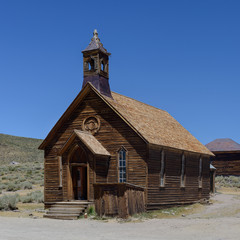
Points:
(155, 125)
(88, 140)
(223, 145)
(92, 143)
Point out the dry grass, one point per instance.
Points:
(229, 190)
(172, 212)
(25, 210)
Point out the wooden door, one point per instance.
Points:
(79, 178)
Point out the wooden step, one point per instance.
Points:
(67, 210)
(68, 206)
(62, 216)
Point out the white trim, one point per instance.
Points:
(60, 171)
(200, 172)
(162, 169)
(183, 171)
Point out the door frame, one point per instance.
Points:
(86, 165)
(70, 193)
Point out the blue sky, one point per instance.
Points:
(180, 56)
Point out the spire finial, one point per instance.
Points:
(96, 44)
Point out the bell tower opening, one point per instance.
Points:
(96, 65)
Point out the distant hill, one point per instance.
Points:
(19, 149)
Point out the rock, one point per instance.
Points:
(14, 163)
(183, 215)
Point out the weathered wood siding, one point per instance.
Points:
(172, 192)
(227, 163)
(113, 134)
(118, 199)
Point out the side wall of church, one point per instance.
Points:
(172, 192)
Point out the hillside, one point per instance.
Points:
(19, 149)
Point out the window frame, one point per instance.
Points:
(183, 171)
(200, 172)
(162, 169)
(60, 171)
(118, 164)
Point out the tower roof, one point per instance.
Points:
(95, 44)
(223, 145)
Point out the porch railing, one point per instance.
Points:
(118, 199)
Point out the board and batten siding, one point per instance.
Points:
(113, 134)
(172, 192)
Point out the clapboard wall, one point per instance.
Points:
(172, 192)
(227, 163)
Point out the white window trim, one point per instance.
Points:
(200, 172)
(162, 169)
(183, 172)
(118, 164)
(60, 171)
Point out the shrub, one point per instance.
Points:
(13, 187)
(36, 196)
(26, 185)
(12, 168)
(3, 186)
(29, 172)
(33, 181)
(8, 202)
(228, 181)
(91, 210)
(22, 179)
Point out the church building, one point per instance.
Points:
(119, 154)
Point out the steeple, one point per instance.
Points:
(95, 65)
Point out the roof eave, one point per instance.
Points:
(183, 150)
(72, 106)
(228, 151)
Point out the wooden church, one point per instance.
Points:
(119, 154)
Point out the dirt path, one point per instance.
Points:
(223, 205)
(218, 221)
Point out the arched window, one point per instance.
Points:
(122, 165)
(102, 66)
(90, 65)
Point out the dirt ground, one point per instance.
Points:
(217, 221)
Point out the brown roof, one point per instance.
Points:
(89, 141)
(155, 126)
(223, 145)
(92, 143)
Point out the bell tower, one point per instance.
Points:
(96, 66)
